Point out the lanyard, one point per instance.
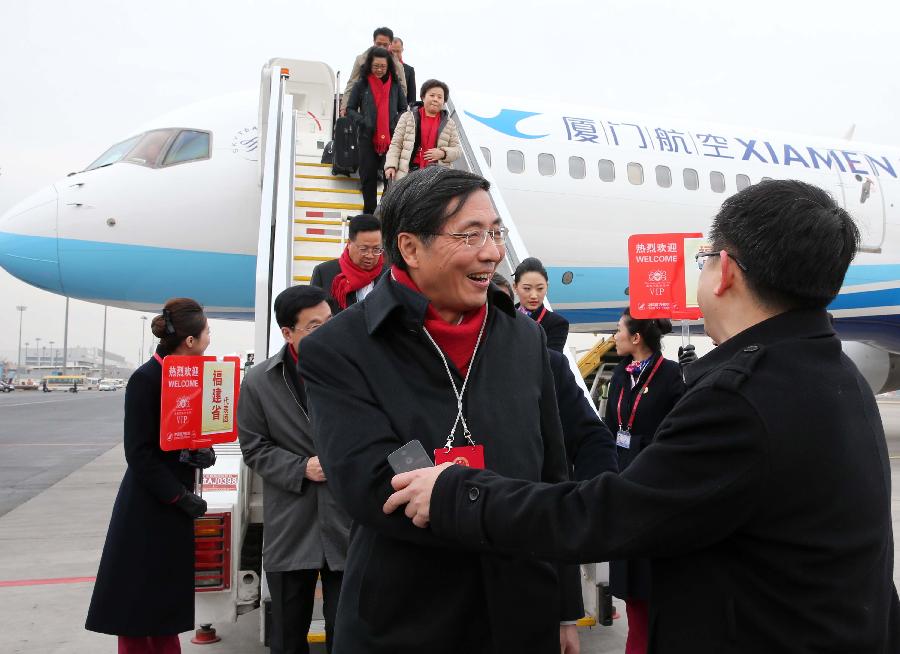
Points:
(157, 357)
(637, 400)
(458, 393)
(541, 317)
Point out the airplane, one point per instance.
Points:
(174, 209)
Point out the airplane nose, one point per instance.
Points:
(28, 248)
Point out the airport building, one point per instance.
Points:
(86, 361)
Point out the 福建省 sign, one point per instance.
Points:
(199, 401)
(663, 275)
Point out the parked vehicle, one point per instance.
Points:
(6, 387)
(107, 385)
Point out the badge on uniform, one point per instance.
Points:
(471, 456)
(623, 439)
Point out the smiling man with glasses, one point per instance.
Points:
(352, 277)
(764, 500)
(423, 358)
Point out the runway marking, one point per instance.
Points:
(59, 444)
(46, 582)
(46, 402)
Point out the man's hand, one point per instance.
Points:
(343, 112)
(568, 639)
(314, 470)
(414, 490)
(434, 154)
(686, 355)
(390, 173)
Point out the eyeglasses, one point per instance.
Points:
(479, 237)
(700, 258)
(366, 250)
(379, 66)
(309, 328)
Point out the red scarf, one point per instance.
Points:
(428, 130)
(381, 92)
(457, 341)
(352, 277)
(293, 353)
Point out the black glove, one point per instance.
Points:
(686, 355)
(202, 458)
(192, 504)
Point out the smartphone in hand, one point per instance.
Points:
(411, 456)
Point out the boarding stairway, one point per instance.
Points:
(323, 204)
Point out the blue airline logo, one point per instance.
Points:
(507, 122)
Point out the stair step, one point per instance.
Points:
(307, 221)
(317, 239)
(306, 257)
(329, 205)
(312, 164)
(337, 178)
(302, 278)
(309, 189)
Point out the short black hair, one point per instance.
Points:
(531, 264)
(432, 83)
(295, 299)
(383, 31)
(364, 222)
(367, 66)
(794, 240)
(418, 204)
(651, 330)
(503, 283)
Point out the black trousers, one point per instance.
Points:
(370, 162)
(293, 594)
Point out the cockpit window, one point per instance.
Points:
(189, 145)
(115, 153)
(150, 147)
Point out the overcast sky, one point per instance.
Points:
(77, 77)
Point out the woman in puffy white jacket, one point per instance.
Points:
(425, 135)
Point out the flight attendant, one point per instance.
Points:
(531, 283)
(643, 389)
(144, 592)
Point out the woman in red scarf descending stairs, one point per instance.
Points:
(374, 106)
(350, 278)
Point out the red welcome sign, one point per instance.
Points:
(662, 276)
(199, 401)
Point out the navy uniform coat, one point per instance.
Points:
(554, 325)
(764, 503)
(631, 579)
(145, 584)
(375, 382)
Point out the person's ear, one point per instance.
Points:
(727, 271)
(411, 248)
(286, 333)
(189, 341)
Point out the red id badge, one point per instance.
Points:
(471, 456)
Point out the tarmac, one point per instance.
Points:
(54, 516)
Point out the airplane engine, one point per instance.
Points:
(880, 368)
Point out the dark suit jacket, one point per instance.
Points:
(323, 275)
(554, 325)
(764, 503)
(375, 382)
(411, 89)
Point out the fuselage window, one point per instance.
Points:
(486, 153)
(717, 181)
(664, 176)
(742, 182)
(607, 170)
(691, 179)
(635, 173)
(148, 149)
(546, 164)
(189, 145)
(577, 168)
(515, 161)
(115, 153)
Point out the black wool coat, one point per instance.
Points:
(145, 584)
(555, 326)
(323, 276)
(375, 382)
(764, 503)
(631, 579)
(411, 89)
(363, 112)
(590, 447)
